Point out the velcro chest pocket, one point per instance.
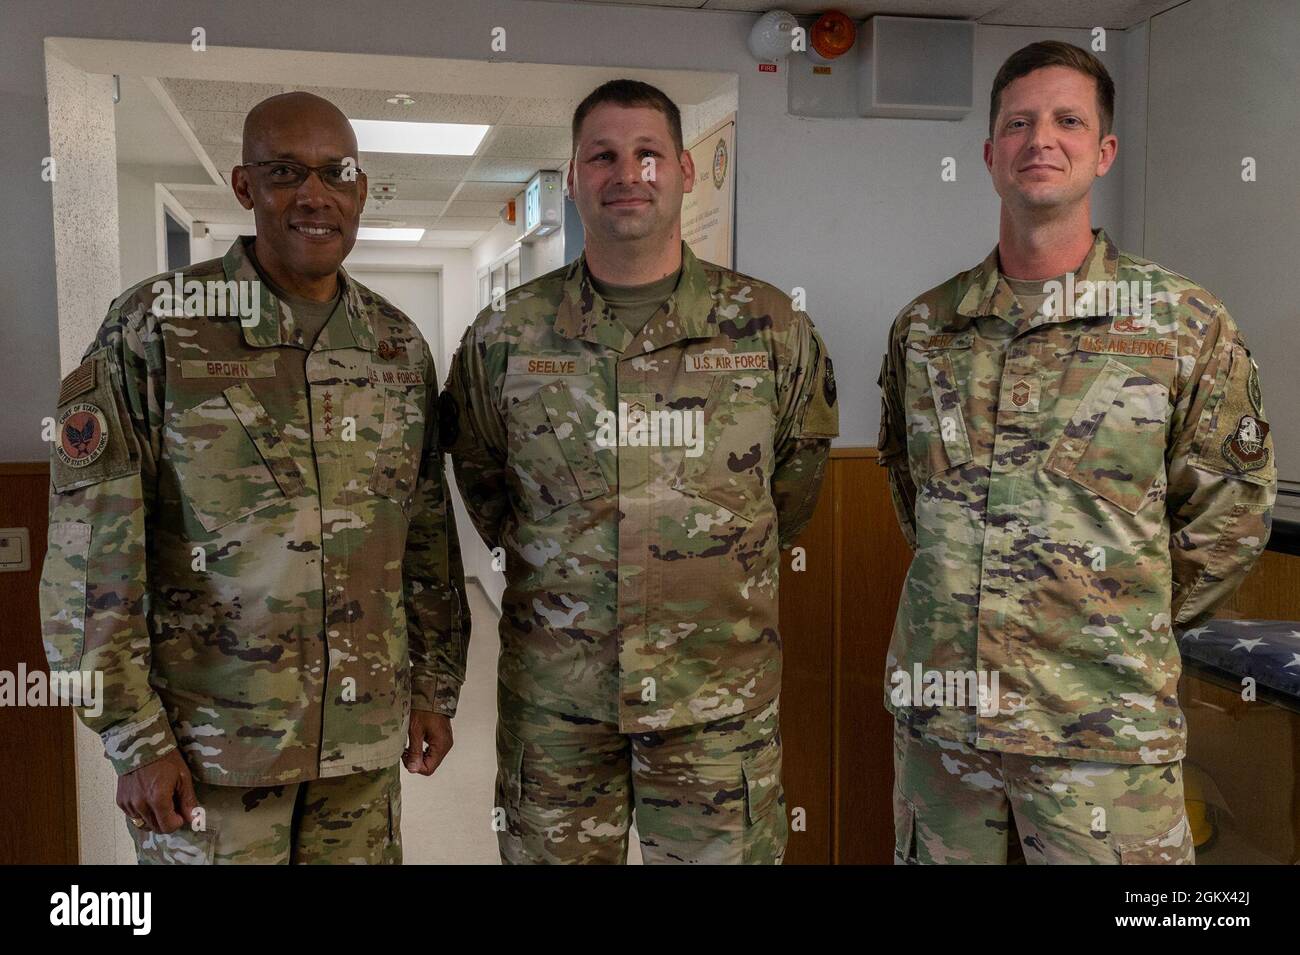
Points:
(231, 458)
(1113, 443)
(401, 443)
(731, 464)
(552, 463)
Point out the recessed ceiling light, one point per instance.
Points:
(400, 99)
(430, 139)
(390, 235)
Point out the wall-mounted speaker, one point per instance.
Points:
(916, 68)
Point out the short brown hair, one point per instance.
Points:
(630, 93)
(1055, 53)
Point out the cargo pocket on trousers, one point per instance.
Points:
(1174, 847)
(765, 823)
(393, 855)
(509, 785)
(185, 846)
(63, 594)
(904, 831)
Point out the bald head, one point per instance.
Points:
(307, 219)
(280, 122)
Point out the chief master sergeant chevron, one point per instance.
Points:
(640, 432)
(1076, 479)
(249, 531)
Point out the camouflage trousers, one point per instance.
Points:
(956, 804)
(567, 789)
(353, 819)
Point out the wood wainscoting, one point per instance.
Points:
(38, 765)
(836, 619)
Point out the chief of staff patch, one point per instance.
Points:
(1244, 448)
(83, 435)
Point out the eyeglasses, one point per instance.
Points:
(286, 172)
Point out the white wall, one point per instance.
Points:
(498, 239)
(458, 291)
(137, 215)
(701, 117)
(1224, 87)
(542, 255)
(85, 202)
(1131, 97)
(84, 188)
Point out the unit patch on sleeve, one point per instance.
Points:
(1245, 448)
(1234, 435)
(92, 440)
(83, 435)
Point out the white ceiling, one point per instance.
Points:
(1111, 14)
(145, 134)
(456, 198)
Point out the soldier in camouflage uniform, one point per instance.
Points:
(1076, 479)
(640, 658)
(250, 537)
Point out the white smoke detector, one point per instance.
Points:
(770, 38)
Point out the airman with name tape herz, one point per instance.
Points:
(1079, 456)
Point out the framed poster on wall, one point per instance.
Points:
(709, 212)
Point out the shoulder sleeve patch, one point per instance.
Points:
(80, 380)
(821, 417)
(1237, 439)
(93, 440)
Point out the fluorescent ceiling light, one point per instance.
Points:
(390, 235)
(432, 139)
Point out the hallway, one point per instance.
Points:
(447, 818)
